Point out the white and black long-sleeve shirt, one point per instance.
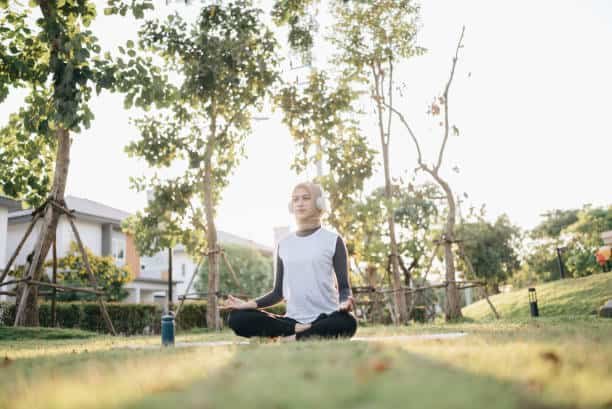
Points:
(311, 275)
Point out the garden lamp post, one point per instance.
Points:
(533, 302)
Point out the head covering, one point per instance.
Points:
(313, 218)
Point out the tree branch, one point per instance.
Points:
(412, 135)
(448, 84)
(390, 100)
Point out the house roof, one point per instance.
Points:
(83, 208)
(9, 203)
(94, 211)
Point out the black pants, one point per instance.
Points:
(258, 323)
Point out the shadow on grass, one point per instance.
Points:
(335, 374)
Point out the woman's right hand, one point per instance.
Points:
(233, 303)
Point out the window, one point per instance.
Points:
(119, 250)
(183, 269)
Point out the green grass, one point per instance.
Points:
(551, 362)
(560, 360)
(570, 297)
(22, 334)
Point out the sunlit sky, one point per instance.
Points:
(530, 98)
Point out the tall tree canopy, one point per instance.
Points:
(46, 47)
(226, 64)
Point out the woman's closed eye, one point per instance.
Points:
(304, 198)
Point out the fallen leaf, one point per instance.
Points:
(6, 362)
(309, 375)
(551, 357)
(380, 365)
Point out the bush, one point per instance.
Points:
(128, 319)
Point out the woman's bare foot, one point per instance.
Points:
(301, 327)
(288, 338)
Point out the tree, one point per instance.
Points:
(371, 38)
(555, 221)
(320, 120)
(453, 307)
(490, 249)
(227, 64)
(577, 233)
(253, 270)
(47, 48)
(415, 213)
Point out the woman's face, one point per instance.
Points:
(303, 203)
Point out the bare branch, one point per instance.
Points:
(390, 100)
(448, 84)
(379, 98)
(412, 135)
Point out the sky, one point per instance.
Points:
(530, 97)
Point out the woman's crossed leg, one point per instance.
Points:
(256, 323)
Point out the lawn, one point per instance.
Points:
(548, 362)
(579, 296)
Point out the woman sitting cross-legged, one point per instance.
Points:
(311, 276)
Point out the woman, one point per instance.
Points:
(311, 276)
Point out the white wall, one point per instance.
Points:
(91, 235)
(154, 265)
(3, 234)
(182, 270)
(14, 236)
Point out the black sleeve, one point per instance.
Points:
(341, 269)
(276, 295)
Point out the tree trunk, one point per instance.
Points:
(213, 320)
(453, 305)
(28, 303)
(399, 296)
(212, 312)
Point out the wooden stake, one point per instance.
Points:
(92, 278)
(484, 290)
(54, 281)
(197, 269)
(18, 249)
(233, 274)
(66, 287)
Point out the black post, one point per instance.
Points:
(54, 281)
(560, 263)
(169, 279)
(533, 303)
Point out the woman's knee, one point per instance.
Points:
(350, 324)
(237, 321)
(347, 323)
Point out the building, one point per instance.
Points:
(184, 266)
(99, 226)
(6, 205)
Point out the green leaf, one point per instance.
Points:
(130, 44)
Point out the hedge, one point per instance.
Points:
(128, 319)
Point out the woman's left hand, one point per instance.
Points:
(347, 305)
